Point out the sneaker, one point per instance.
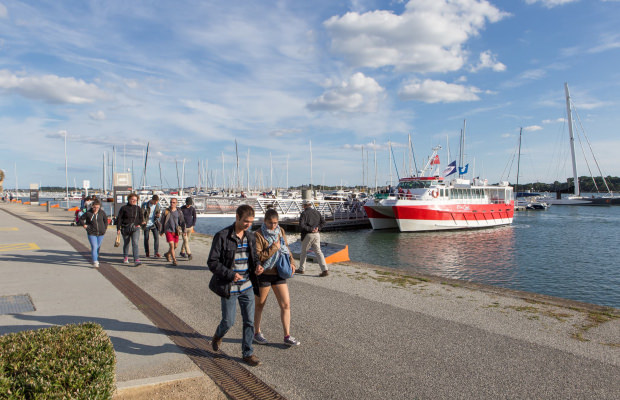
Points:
(300, 271)
(324, 273)
(189, 257)
(138, 262)
(291, 341)
(260, 339)
(157, 255)
(216, 343)
(252, 360)
(126, 260)
(147, 254)
(96, 264)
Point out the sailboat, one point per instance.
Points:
(526, 200)
(576, 199)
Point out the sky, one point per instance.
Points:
(313, 91)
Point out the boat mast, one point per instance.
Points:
(571, 139)
(462, 148)
(518, 163)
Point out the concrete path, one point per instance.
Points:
(65, 289)
(368, 332)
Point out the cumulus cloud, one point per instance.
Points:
(51, 88)
(488, 60)
(550, 3)
(532, 128)
(431, 91)
(359, 94)
(97, 116)
(427, 37)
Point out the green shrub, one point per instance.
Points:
(61, 362)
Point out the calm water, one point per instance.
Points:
(570, 252)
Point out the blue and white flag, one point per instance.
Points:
(450, 169)
(463, 171)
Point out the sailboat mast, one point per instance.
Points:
(571, 139)
(518, 161)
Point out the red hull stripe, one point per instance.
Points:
(372, 213)
(466, 212)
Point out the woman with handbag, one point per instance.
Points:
(277, 261)
(95, 221)
(128, 224)
(173, 226)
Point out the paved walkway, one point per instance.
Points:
(366, 332)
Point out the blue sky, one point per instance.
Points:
(191, 77)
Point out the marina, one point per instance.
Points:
(567, 252)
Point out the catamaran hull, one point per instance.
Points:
(381, 217)
(431, 217)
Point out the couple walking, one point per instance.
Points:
(243, 269)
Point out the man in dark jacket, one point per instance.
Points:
(128, 222)
(310, 222)
(235, 264)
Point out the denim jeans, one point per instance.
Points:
(147, 233)
(134, 238)
(229, 310)
(95, 244)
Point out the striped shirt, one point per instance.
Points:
(241, 266)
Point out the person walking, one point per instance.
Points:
(235, 265)
(95, 221)
(128, 223)
(189, 213)
(271, 244)
(310, 223)
(173, 226)
(151, 212)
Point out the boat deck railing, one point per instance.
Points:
(286, 208)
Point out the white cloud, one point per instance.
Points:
(427, 37)
(553, 121)
(370, 146)
(51, 88)
(430, 91)
(359, 94)
(3, 11)
(532, 128)
(97, 116)
(284, 132)
(550, 3)
(487, 60)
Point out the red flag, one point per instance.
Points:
(435, 160)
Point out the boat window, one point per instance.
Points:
(414, 184)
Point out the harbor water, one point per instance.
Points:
(569, 252)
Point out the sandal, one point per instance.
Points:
(174, 263)
(168, 257)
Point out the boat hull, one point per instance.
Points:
(412, 217)
(381, 216)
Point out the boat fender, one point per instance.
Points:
(434, 193)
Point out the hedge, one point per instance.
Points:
(72, 361)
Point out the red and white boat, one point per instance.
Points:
(429, 203)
